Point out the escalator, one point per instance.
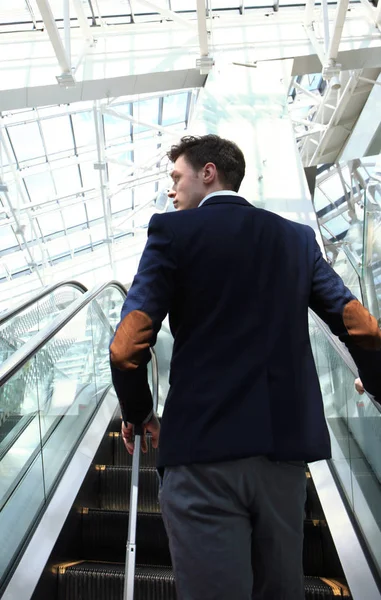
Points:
(86, 561)
(58, 379)
(17, 326)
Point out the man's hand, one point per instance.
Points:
(359, 386)
(153, 427)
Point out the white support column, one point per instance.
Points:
(101, 167)
(168, 14)
(202, 30)
(63, 60)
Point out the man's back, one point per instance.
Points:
(242, 377)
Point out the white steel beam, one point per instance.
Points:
(20, 233)
(168, 14)
(336, 115)
(315, 99)
(334, 44)
(66, 18)
(318, 47)
(309, 13)
(316, 126)
(154, 126)
(202, 29)
(325, 25)
(17, 177)
(304, 134)
(370, 80)
(82, 20)
(373, 14)
(54, 36)
(378, 14)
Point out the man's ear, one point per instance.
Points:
(210, 173)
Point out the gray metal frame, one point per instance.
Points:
(13, 312)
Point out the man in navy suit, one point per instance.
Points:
(244, 411)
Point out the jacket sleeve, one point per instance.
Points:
(144, 309)
(349, 320)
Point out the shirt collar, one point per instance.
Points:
(219, 193)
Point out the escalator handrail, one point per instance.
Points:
(341, 351)
(32, 346)
(13, 312)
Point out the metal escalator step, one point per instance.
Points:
(104, 535)
(104, 581)
(319, 552)
(123, 459)
(313, 557)
(115, 485)
(116, 422)
(313, 506)
(320, 588)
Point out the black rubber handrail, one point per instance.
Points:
(341, 351)
(13, 312)
(32, 346)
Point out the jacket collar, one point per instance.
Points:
(226, 199)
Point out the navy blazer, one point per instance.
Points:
(237, 283)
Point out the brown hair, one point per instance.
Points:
(199, 150)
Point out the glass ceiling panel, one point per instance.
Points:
(57, 135)
(332, 187)
(90, 177)
(121, 201)
(173, 108)
(320, 200)
(16, 261)
(51, 223)
(7, 237)
(64, 187)
(97, 233)
(74, 215)
(116, 129)
(58, 246)
(26, 141)
(66, 180)
(40, 186)
(84, 129)
(337, 225)
(94, 209)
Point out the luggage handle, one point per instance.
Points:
(129, 575)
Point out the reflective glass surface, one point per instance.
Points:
(371, 264)
(46, 406)
(17, 330)
(354, 424)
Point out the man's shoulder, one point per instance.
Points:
(286, 223)
(173, 218)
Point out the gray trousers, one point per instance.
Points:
(236, 529)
